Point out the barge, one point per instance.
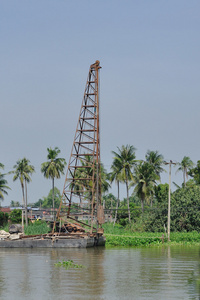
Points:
(82, 192)
(53, 241)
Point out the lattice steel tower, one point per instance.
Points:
(83, 178)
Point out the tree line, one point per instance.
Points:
(141, 175)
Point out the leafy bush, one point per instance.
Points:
(122, 216)
(155, 220)
(15, 216)
(3, 218)
(185, 209)
(137, 226)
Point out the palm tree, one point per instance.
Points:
(109, 200)
(105, 185)
(156, 160)
(184, 166)
(29, 170)
(53, 168)
(14, 203)
(125, 161)
(77, 185)
(22, 171)
(86, 181)
(144, 180)
(115, 175)
(3, 184)
(195, 173)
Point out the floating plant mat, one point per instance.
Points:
(69, 264)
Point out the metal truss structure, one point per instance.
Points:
(82, 188)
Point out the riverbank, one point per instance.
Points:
(123, 236)
(119, 236)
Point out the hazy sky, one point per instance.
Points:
(149, 53)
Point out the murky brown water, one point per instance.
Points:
(116, 273)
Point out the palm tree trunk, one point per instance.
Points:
(151, 200)
(142, 203)
(26, 214)
(184, 175)
(117, 205)
(22, 185)
(127, 190)
(53, 197)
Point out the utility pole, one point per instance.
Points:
(169, 198)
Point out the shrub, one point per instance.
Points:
(185, 209)
(3, 219)
(122, 216)
(15, 216)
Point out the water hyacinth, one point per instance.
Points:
(69, 264)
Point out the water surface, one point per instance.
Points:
(115, 273)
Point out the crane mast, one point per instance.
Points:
(82, 187)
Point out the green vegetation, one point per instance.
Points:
(69, 264)
(195, 173)
(53, 168)
(142, 215)
(112, 240)
(38, 227)
(185, 212)
(47, 202)
(3, 184)
(5, 227)
(185, 165)
(3, 219)
(15, 204)
(84, 179)
(22, 171)
(110, 201)
(123, 163)
(123, 236)
(144, 182)
(15, 216)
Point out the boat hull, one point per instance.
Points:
(54, 243)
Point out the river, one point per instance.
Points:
(109, 273)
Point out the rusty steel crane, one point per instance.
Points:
(82, 187)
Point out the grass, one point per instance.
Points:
(5, 228)
(38, 227)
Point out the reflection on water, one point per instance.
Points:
(117, 273)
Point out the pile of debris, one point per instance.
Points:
(4, 235)
(15, 232)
